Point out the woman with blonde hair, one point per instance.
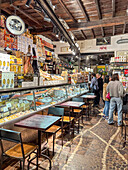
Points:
(107, 101)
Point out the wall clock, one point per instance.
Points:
(15, 25)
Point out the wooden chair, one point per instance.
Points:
(55, 128)
(83, 109)
(19, 151)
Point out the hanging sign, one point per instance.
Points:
(15, 25)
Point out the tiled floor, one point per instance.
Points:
(98, 146)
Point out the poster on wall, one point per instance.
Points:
(121, 56)
(103, 41)
(101, 68)
(64, 49)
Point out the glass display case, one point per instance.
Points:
(19, 103)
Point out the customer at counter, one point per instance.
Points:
(100, 85)
(116, 91)
(95, 88)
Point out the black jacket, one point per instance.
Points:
(100, 84)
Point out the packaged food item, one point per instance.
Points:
(6, 80)
(15, 69)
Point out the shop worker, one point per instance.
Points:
(116, 90)
(95, 88)
(100, 85)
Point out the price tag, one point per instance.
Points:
(8, 105)
(20, 101)
(18, 105)
(5, 109)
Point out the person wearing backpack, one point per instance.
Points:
(116, 91)
(95, 88)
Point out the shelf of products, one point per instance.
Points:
(16, 104)
(119, 64)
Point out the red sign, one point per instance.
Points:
(103, 48)
(126, 72)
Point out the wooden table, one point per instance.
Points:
(89, 97)
(40, 123)
(72, 104)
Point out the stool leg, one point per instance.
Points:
(37, 159)
(1, 162)
(78, 125)
(47, 142)
(23, 162)
(53, 142)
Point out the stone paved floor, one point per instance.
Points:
(98, 146)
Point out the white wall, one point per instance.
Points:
(46, 39)
(88, 46)
(59, 46)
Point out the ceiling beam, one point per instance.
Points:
(113, 8)
(97, 24)
(26, 21)
(80, 3)
(114, 29)
(124, 28)
(48, 10)
(85, 37)
(39, 13)
(16, 3)
(67, 10)
(93, 34)
(102, 31)
(25, 14)
(98, 9)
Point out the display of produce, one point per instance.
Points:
(18, 104)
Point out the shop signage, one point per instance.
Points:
(126, 72)
(15, 25)
(64, 49)
(122, 41)
(103, 48)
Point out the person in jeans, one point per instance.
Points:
(95, 88)
(100, 85)
(107, 101)
(116, 90)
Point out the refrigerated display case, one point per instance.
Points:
(16, 104)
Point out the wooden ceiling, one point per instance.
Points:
(86, 19)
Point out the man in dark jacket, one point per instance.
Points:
(94, 87)
(100, 85)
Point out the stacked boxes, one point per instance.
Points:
(4, 62)
(6, 80)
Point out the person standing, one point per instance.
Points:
(107, 101)
(100, 85)
(116, 90)
(95, 88)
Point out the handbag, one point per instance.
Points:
(108, 96)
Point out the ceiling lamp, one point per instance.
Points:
(77, 44)
(57, 34)
(28, 3)
(73, 52)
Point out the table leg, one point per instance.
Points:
(39, 142)
(41, 154)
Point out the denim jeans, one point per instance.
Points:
(106, 108)
(113, 102)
